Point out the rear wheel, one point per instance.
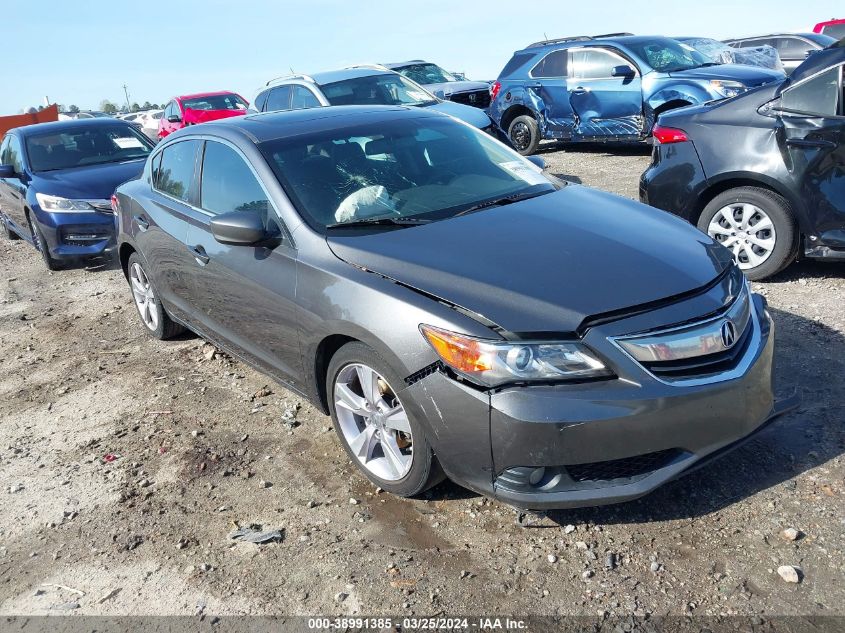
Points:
(524, 133)
(757, 225)
(153, 315)
(376, 430)
(7, 231)
(41, 246)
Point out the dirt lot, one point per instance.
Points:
(199, 444)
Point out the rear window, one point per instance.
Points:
(86, 145)
(517, 61)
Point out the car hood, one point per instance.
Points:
(547, 263)
(204, 116)
(467, 114)
(94, 182)
(748, 75)
(452, 87)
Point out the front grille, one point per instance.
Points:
(703, 366)
(477, 98)
(630, 468)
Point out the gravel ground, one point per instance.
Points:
(126, 462)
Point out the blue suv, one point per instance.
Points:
(607, 88)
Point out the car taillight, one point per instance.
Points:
(115, 204)
(668, 135)
(494, 89)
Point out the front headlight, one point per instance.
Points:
(728, 88)
(57, 204)
(492, 363)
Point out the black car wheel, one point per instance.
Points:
(41, 246)
(757, 225)
(7, 231)
(378, 433)
(524, 133)
(153, 315)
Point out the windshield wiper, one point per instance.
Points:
(498, 202)
(706, 64)
(379, 222)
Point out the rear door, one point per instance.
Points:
(604, 106)
(548, 81)
(160, 226)
(244, 295)
(812, 142)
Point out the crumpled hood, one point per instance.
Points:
(747, 75)
(468, 114)
(547, 263)
(94, 182)
(204, 116)
(451, 87)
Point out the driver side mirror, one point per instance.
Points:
(7, 171)
(537, 161)
(174, 118)
(622, 71)
(440, 94)
(240, 228)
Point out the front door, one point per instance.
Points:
(812, 140)
(244, 295)
(605, 106)
(12, 189)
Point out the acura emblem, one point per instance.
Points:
(728, 331)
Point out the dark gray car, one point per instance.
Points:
(449, 305)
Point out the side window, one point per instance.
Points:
(228, 183)
(260, 100)
(820, 95)
(552, 65)
(15, 158)
(175, 173)
(303, 98)
(792, 48)
(278, 99)
(593, 64)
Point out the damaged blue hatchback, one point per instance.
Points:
(607, 88)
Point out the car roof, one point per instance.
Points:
(60, 126)
(808, 35)
(261, 127)
(585, 40)
(393, 65)
(331, 76)
(207, 94)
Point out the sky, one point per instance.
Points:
(83, 52)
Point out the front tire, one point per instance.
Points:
(157, 322)
(40, 243)
(524, 134)
(381, 438)
(757, 225)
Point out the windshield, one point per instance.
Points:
(86, 146)
(430, 167)
(426, 73)
(666, 56)
(392, 89)
(714, 50)
(215, 102)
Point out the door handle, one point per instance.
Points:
(806, 142)
(141, 221)
(199, 254)
(580, 90)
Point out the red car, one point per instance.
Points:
(834, 28)
(199, 108)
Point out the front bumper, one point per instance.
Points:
(564, 446)
(74, 235)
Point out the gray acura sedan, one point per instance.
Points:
(456, 311)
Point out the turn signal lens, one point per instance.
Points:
(668, 135)
(461, 353)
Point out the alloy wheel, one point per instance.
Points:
(373, 422)
(145, 299)
(746, 230)
(520, 136)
